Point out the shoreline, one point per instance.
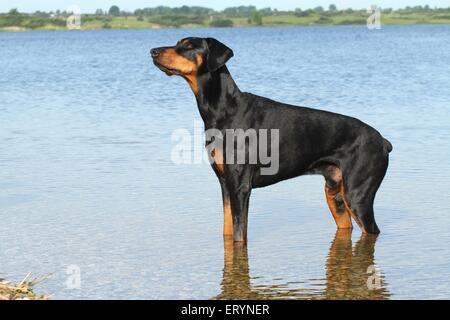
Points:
(17, 29)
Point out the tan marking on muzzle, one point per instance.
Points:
(188, 69)
(172, 60)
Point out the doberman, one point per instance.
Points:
(352, 156)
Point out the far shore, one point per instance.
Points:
(236, 17)
(22, 29)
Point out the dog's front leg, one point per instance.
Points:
(239, 186)
(227, 217)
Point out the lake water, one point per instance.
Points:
(87, 183)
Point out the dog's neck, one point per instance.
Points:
(216, 97)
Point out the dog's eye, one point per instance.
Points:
(189, 46)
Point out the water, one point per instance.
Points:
(86, 179)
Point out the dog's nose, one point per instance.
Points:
(155, 52)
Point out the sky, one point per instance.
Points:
(88, 6)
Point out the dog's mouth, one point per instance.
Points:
(168, 71)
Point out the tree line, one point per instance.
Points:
(231, 12)
(165, 16)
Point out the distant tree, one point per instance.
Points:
(266, 11)
(241, 11)
(306, 13)
(257, 18)
(114, 11)
(332, 8)
(221, 23)
(183, 10)
(13, 18)
(14, 12)
(99, 12)
(319, 9)
(41, 14)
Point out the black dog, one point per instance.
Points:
(351, 155)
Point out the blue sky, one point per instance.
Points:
(91, 5)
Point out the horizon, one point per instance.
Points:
(86, 6)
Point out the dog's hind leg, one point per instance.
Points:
(360, 184)
(337, 207)
(333, 192)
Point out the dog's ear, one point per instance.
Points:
(218, 54)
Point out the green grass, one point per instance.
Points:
(26, 22)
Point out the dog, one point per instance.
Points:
(352, 156)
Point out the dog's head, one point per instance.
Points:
(191, 57)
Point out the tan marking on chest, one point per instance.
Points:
(217, 156)
(192, 77)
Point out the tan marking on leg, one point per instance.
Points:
(227, 218)
(349, 210)
(343, 220)
(335, 173)
(217, 156)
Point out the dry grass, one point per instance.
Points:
(23, 290)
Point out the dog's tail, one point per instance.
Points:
(387, 146)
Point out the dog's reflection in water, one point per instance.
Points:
(349, 273)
